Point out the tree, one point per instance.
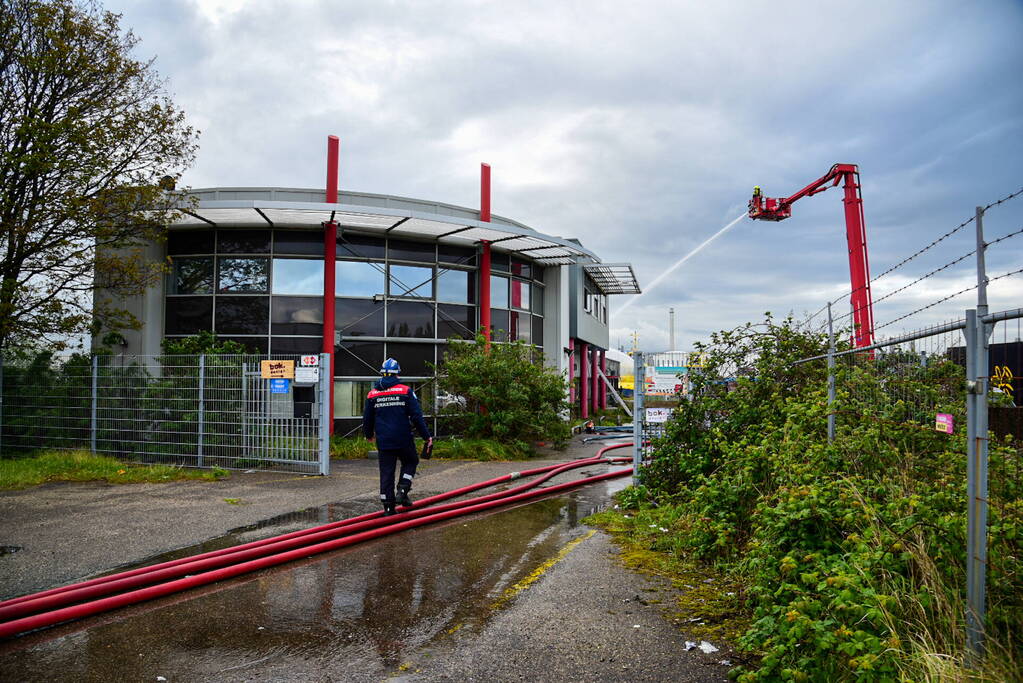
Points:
(508, 396)
(86, 135)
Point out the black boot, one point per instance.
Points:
(388, 507)
(403, 499)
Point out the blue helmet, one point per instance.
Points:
(390, 367)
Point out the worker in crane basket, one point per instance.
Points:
(392, 409)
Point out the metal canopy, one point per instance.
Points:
(613, 278)
(544, 249)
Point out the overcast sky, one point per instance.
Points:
(639, 128)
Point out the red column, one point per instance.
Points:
(485, 192)
(329, 259)
(584, 391)
(571, 371)
(603, 387)
(595, 381)
(485, 258)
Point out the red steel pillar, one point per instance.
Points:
(595, 380)
(603, 387)
(485, 257)
(584, 386)
(859, 268)
(571, 371)
(329, 260)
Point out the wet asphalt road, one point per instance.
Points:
(527, 593)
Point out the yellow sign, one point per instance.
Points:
(277, 369)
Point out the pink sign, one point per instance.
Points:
(943, 423)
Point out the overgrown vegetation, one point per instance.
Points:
(505, 394)
(852, 553)
(19, 473)
(453, 449)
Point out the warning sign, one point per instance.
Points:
(277, 369)
(310, 361)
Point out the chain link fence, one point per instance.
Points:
(196, 410)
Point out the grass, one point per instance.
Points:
(443, 449)
(20, 473)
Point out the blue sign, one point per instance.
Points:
(280, 386)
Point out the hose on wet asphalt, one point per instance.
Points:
(57, 605)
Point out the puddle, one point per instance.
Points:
(364, 609)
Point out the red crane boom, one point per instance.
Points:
(776, 209)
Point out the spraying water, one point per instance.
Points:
(657, 280)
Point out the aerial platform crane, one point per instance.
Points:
(777, 209)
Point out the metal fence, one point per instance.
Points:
(197, 410)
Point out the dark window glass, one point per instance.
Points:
(298, 242)
(412, 358)
(498, 291)
(521, 268)
(411, 251)
(538, 299)
(537, 273)
(520, 294)
(411, 281)
(188, 314)
(254, 345)
(448, 253)
(424, 392)
(456, 286)
(538, 330)
(192, 275)
(521, 326)
(190, 242)
(243, 274)
(358, 278)
(499, 324)
(358, 359)
(358, 245)
(456, 321)
(359, 317)
(499, 261)
(243, 241)
(350, 398)
(296, 315)
(243, 314)
(298, 276)
(409, 319)
(303, 345)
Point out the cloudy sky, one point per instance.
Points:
(639, 128)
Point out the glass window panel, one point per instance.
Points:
(449, 253)
(298, 242)
(359, 317)
(350, 398)
(521, 326)
(253, 345)
(412, 358)
(296, 345)
(521, 268)
(538, 299)
(424, 392)
(243, 274)
(411, 251)
(358, 359)
(456, 286)
(520, 294)
(358, 278)
(498, 291)
(538, 330)
(411, 281)
(190, 242)
(456, 321)
(499, 261)
(360, 245)
(296, 315)
(243, 241)
(188, 314)
(298, 276)
(499, 324)
(242, 314)
(192, 276)
(410, 319)
(537, 273)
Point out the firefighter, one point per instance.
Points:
(392, 409)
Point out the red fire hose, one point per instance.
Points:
(257, 555)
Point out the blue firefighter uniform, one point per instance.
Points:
(391, 410)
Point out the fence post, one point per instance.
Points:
(976, 511)
(831, 378)
(1, 405)
(638, 413)
(202, 404)
(95, 399)
(325, 417)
